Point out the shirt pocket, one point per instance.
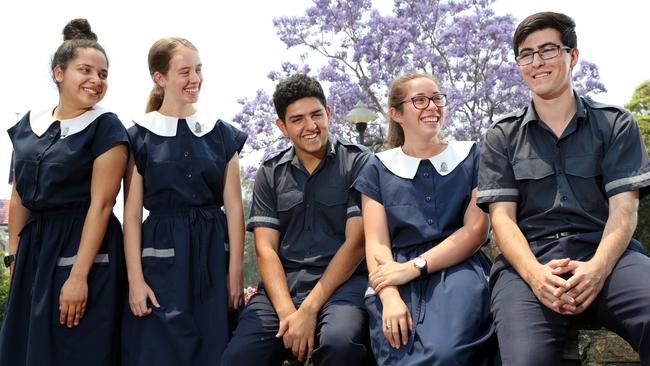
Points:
(287, 205)
(534, 168)
(537, 184)
(332, 208)
(584, 175)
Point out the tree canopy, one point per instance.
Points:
(356, 51)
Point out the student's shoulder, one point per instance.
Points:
(509, 118)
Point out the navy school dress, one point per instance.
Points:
(425, 202)
(184, 255)
(53, 169)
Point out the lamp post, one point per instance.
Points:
(360, 115)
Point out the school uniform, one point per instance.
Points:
(310, 212)
(53, 162)
(425, 201)
(561, 187)
(184, 239)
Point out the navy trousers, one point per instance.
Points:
(531, 334)
(341, 336)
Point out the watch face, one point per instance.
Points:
(420, 262)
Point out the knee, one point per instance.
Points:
(237, 353)
(337, 349)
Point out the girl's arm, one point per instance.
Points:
(108, 170)
(232, 202)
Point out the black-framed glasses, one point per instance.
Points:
(545, 53)
(422, 101)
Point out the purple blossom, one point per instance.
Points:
(463, 43)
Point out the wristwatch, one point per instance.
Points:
(8, 259)
(420, 263)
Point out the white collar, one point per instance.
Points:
(199, 123)
(41, 120)
(406, 166)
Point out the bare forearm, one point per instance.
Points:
(341, 267)
(275, 281)
(18, 215)
(235, 220)
(513, 245)
(92, 236)
(618, 231)
(456, 248)
(133, 245)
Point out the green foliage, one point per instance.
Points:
(4, 290)
(639, 105)
(251, 270)
(640, 102)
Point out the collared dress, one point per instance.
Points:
(53, 163)
(425, 202)
(184, 258)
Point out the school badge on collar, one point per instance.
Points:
(64, 132)
(197, 127)
(443, 167)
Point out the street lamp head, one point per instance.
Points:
(360, 115)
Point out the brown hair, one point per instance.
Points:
(396, 95)
(540, 21)
(76, 34)
(160, 54)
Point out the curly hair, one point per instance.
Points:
(293, 88)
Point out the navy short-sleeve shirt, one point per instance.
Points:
(425, 199)
(183, 160)
(309, 211)
(563, 184)
(53, 160)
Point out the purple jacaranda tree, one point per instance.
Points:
(463, 43)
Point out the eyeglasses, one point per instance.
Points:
(546, 53)
(422, 102)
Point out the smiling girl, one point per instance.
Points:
(67, 275)
(184, 168)
(428, 301)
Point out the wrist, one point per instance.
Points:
(387, 293)
(78, 275)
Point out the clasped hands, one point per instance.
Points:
(573, 295)
(297, 332)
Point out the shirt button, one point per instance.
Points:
(189, 175)
(426, 175)
(564, 198)
(186, 154)
(427, 198)
(430, 221)
(308, 205)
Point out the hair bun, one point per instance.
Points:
(78, 29)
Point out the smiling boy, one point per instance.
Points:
(309, 241)
(561, 180)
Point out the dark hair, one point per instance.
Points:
(160, 54)
(293, 88)
(76, 34)
(560, 22)
(396, 94)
